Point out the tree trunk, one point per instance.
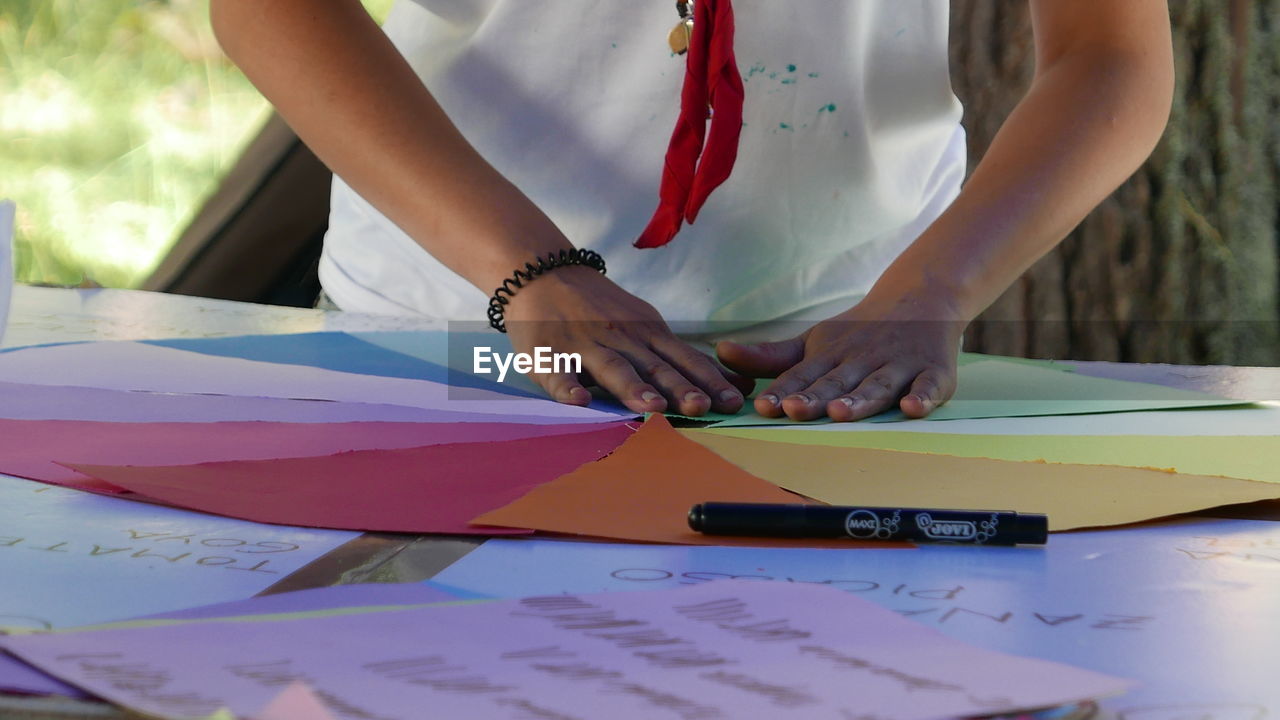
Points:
(1180, 264)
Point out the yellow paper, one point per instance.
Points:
(1250, 458)
(1073, 496)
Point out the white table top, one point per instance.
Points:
(43, 315)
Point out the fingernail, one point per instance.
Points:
(729, 396)
(847, 402)
(693, 396)
(770, 398)
(578, 392)
(649, 397)
(807, 400)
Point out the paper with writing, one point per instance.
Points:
(29, 449)
(1183, 607)
(1253, 457)
(18, 677)
(724, 650)
(434, 489)
(1073, 496)
(643, 491)
(140, 366)
(79, 558)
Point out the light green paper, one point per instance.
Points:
(1244, 457)
(746, 414)
(1000, 388)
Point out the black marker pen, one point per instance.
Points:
(967, 527)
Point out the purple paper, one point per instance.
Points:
(55, 402)
(19, 677)
(1238, 383)
(143, 367)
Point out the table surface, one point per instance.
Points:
(45, 315)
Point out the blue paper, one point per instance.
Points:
(1189, 608)
(345, 352)
(456, 348)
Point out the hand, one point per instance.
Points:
(859, 363)
(626, 347)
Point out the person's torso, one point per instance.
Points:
(850, 146)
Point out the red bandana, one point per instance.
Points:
(712, 88)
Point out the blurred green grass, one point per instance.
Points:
(117, 117)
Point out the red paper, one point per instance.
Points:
(28, 448)
(435, 489)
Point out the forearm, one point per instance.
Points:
(1085, 125)
(347, 92)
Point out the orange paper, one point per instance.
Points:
(643, 492)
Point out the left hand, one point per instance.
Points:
(861, 362)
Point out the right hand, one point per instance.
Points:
(626, 347)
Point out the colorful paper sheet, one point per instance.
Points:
(997, 388)
(6, 262)
(72, 558)
(1255, 457)
(139, 366)
(721, 650)
(1073, 496)
(1183, 607)
(18, 677)
(54, 402)
(435, 489)
(29, 449)
(644, 491)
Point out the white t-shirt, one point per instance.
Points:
(851, 146)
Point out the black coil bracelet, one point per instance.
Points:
(502, 296)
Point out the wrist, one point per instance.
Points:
(559, 276)
(919, 297)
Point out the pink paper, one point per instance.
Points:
(28, 448)
(435, 489)
(140, 366)
(295, 702)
